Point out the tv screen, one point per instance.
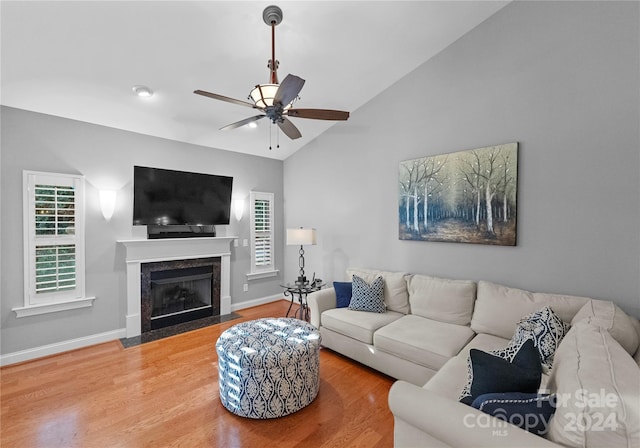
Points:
(167, 197)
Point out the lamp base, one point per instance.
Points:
(302, 280)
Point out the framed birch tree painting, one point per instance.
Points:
(463, 197)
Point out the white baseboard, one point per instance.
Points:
(255, 302)
(59, 347)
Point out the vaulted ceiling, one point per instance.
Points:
(80, 60)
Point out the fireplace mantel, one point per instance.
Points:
(138, 251)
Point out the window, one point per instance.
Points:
(262, 235)
(53, 243)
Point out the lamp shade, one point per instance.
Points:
(301, 237)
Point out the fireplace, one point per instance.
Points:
(177, 291)
(139, 252)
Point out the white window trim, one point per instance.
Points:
(267, 271)
(34, 310)
(60, 300)
(265, 274)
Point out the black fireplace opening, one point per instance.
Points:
(179, 291)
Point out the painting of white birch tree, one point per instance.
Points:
(463, 197)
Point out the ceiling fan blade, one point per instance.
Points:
(289, 129)
(289, 88)
(215, 96)
(237, 124)
(319, 114)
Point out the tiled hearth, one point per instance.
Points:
(184, 251)
(176, 329)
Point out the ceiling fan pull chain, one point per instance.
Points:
(270, 135)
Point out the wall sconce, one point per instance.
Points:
(238, 208)
(302, 237)
(107, 203)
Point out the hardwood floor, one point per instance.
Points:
(165, 394)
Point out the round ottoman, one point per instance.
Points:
(268, 368)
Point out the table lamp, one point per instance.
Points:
(302, 237)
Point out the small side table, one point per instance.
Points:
(300, 291)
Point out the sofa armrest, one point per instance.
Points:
(320, 301)
(451, 423)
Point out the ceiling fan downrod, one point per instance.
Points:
(272, 16)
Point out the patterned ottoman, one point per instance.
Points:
(268, 368)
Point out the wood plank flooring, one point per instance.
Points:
(165, 394)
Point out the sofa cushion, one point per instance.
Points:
(499, 308)
(359, 325)
(490, 373)
(546, 330)
(531, 412)
(423, 341)
(597, 384)
(367, 297)
(452, 377)
(343, 293)
(442, 299)
(609, 316)
(396, 296)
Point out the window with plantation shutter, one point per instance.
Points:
(55, 268)
(262, 235)
(53, 243)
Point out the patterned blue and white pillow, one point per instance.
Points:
(546, 329)
(365, 297)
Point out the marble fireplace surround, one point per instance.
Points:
(139, 251)
(179, 267)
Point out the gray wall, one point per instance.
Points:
(105, 156)
(560, 78)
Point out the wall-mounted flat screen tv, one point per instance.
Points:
(168, 198)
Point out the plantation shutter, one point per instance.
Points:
(55, 264)
(54, 255)
(262, 233)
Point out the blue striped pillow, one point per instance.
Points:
(527, 411)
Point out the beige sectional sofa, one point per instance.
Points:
(424, 339)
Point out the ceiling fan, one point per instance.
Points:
(275, 100)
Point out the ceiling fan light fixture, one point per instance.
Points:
(263, 95)
(142, 91)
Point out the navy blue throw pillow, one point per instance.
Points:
(343, 294)
(490, 373)
(531, 412)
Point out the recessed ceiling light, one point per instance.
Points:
(253, 124)
(142, 91)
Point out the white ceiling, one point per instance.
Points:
(80, 59)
